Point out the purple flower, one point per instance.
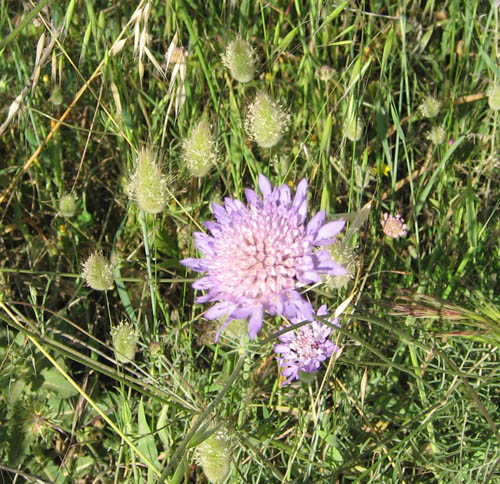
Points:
(258, 255)
(304, 348)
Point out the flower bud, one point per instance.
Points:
(266, 121)
(67, 205)
(98, 272)
(148, 184)
(199, 151)
(430, 107)
(494, 96)
(214, 456)
(124, 342)
(240, 59)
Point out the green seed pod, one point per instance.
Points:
(240, 59)
(148, 185)
(67, 205)
(124, 342)
(430, 107)
(494, 96)
(98, 272)
(214, 456)
(199, 151)
(266, 121)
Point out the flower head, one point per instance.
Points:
(430, 106)
(214, 456)
(266, 121)
(240, 59)
(258, 255)
(98, 272)
(393, 226)
(199, 151)
(148, 184)
(494, 96)
(67, 205)
(303, 349)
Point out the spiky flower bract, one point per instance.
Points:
(98, 272)
(148, 184)
(67, 205)
(494, 96)
(124, 342)
(258, 255)
(303, 349)
(199, 151)
(240, 59)
(266, 121)
(214, 456)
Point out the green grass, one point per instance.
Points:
(412, 398)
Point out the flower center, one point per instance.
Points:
(259, 253)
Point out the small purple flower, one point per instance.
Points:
(257, 255)
(304, 348)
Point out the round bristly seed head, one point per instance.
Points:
(199, 150)
(346, 257)
(437, 135)
(494, 96)
(266, 121)
(240, 59)
(214, 456)
(98, 272)
(124, 342)
(430, 107)
(148, 184)
(67, 205)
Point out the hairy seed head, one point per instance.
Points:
(240, 59)
(199, 151)
(98, 272)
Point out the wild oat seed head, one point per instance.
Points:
(437, 135)
(199, 151)
(266, 121)
(214, 456)
(67, 205)
(98, 272)
(257, 256)
(303, 349)
(353, 128)
(393, 226)
(148, 184)
(124, 342)
(494, 96)
(240, 59)
(346, 257)
(430, 106)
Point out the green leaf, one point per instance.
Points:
(54, 381)
(146, 442)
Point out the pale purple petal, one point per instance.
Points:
(264, 186)
(198, 265)
(220, 309)
(329, 230)
(255, 323)
(315, 223)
